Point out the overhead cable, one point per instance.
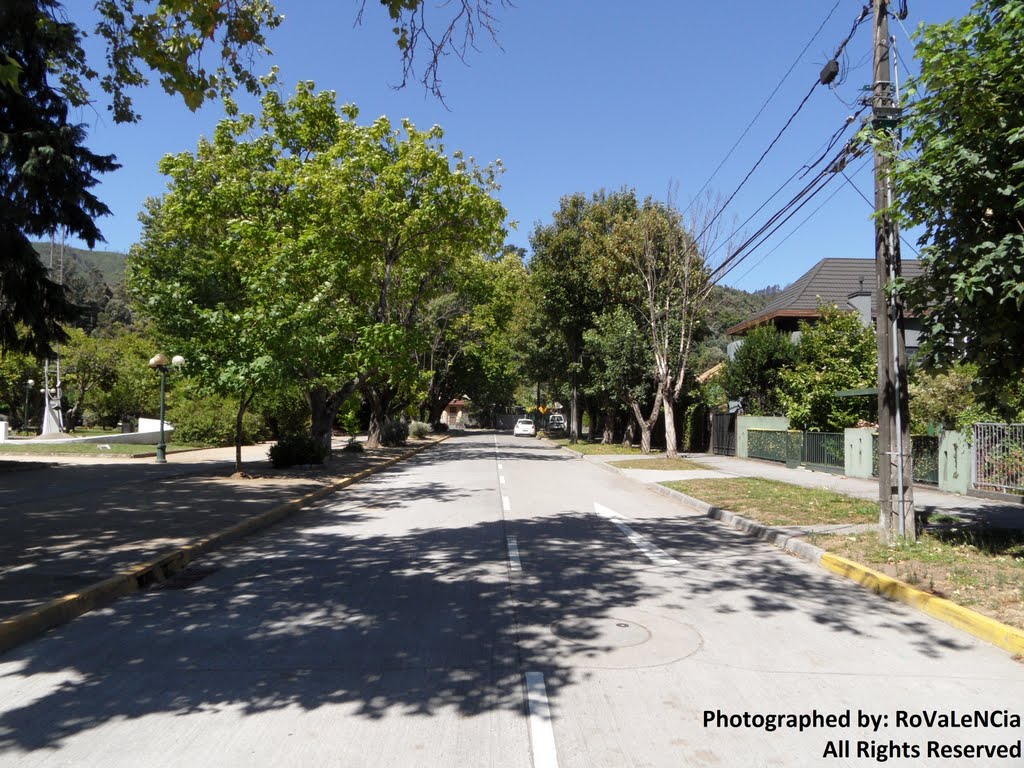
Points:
(824, 79)
(763, 106)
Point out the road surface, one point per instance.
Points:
(497, 602)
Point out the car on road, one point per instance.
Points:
(524, 427)
(556, 423)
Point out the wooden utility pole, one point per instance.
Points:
(895, 473)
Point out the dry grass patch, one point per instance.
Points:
(600, 449)
(661, 464)
(773, 503)
(972, 566)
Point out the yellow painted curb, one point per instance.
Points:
(1008, 638)
(35, 621)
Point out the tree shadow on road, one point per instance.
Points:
(325, 610)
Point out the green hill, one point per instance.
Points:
(110, 264)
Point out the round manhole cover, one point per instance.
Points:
(602, 632)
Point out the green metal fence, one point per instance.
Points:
(825, 450)
(822, 450)
(768, 444)
(924, 452)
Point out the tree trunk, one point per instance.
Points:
(243, 404)
(436, 409)
(629, 434)
(608, 437)
(574, 413)
(380, 401)
(323, 409)
(647, 424)
(671, 444)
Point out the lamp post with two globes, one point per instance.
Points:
(159, 363)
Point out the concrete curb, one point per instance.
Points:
(773, 536)
(26, 625)
(982, 627)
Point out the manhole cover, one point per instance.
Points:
(603, 632)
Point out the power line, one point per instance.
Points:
(763, 107)
(773, 224)
(822, 80)
(807, 218)
(802, 171)
(865, 199)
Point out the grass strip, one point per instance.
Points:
(973, 566)
(598, 449)
(774, 503)
(663, 464)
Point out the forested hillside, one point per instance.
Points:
(109, 264)
(728, 306)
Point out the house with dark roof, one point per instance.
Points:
(847, 283)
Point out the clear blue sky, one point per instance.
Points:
(584, 95)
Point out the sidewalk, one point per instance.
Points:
(997, 514)
(76, 521)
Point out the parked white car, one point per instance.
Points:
(524, 427)
(556, 423)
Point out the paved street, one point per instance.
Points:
(495, 602)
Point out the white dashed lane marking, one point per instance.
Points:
(655, 555)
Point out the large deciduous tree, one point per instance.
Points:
(566, 256)
(307, 251)
(963, 181)
(657, 268)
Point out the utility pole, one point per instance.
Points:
(895, 474)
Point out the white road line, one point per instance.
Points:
(655, 555)
(499, 465)
(502, 479)
(542, 737)
(513, 554)
(506, 504)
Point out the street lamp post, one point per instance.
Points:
(28, 388)
(159, 363)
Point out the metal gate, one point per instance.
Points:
(998, 462)
(723, 434)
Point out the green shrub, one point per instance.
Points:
(210, 420)
(419, 429)
(353, 446)
(297, 449)
(394, 433)
(439, 427)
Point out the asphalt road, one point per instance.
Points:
(496, 602)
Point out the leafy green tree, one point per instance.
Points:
(948, 399)
(306, 253)
(88, 363)
(622, 365)
(755, 375)
(963, 181)
(478, 335)
(657, 268)
(835, 353)
(16, 368)
(566, 254)
(133, 389)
